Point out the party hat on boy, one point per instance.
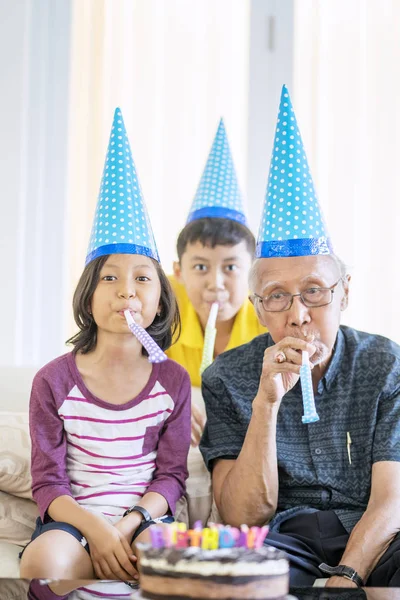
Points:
(121, 223)
(292, 223)
(218, 194)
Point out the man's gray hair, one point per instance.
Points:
(343, 270)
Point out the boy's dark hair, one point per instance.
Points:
(165, 329)
(212, 231)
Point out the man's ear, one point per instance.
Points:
(176, 266)
(259, 313)
(345, 300)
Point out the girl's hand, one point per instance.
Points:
(281, 368)
(198, 424)
(128, 525)
(110, 552)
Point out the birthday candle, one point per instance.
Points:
(242, 541)
(260, 535)
(156, 355)
(195, 537)
(210, 538)
(182, 539)
(310, 413)
(209, 338)
(156, 536)
(226, 539)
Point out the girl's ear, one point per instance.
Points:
(177, 271)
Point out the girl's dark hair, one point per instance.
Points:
(212, 231)
(165, 329)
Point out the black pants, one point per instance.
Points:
(311, 539)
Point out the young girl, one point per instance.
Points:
(110, 431)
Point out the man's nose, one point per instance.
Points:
(299, 313)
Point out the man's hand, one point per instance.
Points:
(110, 551)
(281, 368)
(341, 582)
(198, 424)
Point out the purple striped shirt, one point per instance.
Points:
(107, 456)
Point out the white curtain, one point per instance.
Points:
(347, 100)
(174, 67)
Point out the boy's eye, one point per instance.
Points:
(231, 267)
(200, 267)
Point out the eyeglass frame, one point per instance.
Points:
(331, 289)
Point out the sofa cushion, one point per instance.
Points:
(9, 561)
(17, 519)
(15, 454)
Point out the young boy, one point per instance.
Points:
(215, 251)
(214, 258)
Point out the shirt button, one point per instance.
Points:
(318, 451)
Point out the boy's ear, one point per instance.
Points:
(177, 270)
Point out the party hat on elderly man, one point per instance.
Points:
(121, 223)
(218, 194)
(292, 223)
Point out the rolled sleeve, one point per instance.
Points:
(386, 446)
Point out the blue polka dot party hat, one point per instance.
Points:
(292, 223)
(218, 194)
(121, 224)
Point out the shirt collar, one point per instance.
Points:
(334, 364)
(191, 333)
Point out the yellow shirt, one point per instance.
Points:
(188, 350)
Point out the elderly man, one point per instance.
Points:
(330, 489)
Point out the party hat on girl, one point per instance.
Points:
(121, 224)
(218, 193)
(292, 223)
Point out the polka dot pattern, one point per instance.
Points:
(291, 210)
(121, 223)
(218, 193)
(156, 355)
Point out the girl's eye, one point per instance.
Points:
(109, 278)
(200, 268)
(142, 278)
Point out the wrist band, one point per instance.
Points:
(145, 514)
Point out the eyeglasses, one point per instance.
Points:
(312, 298)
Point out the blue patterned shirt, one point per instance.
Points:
(359, 395)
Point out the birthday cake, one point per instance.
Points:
(225, 573)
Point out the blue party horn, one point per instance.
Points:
(310, 413)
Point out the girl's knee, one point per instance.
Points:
(56, 555)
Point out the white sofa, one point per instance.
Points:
(17, 510)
